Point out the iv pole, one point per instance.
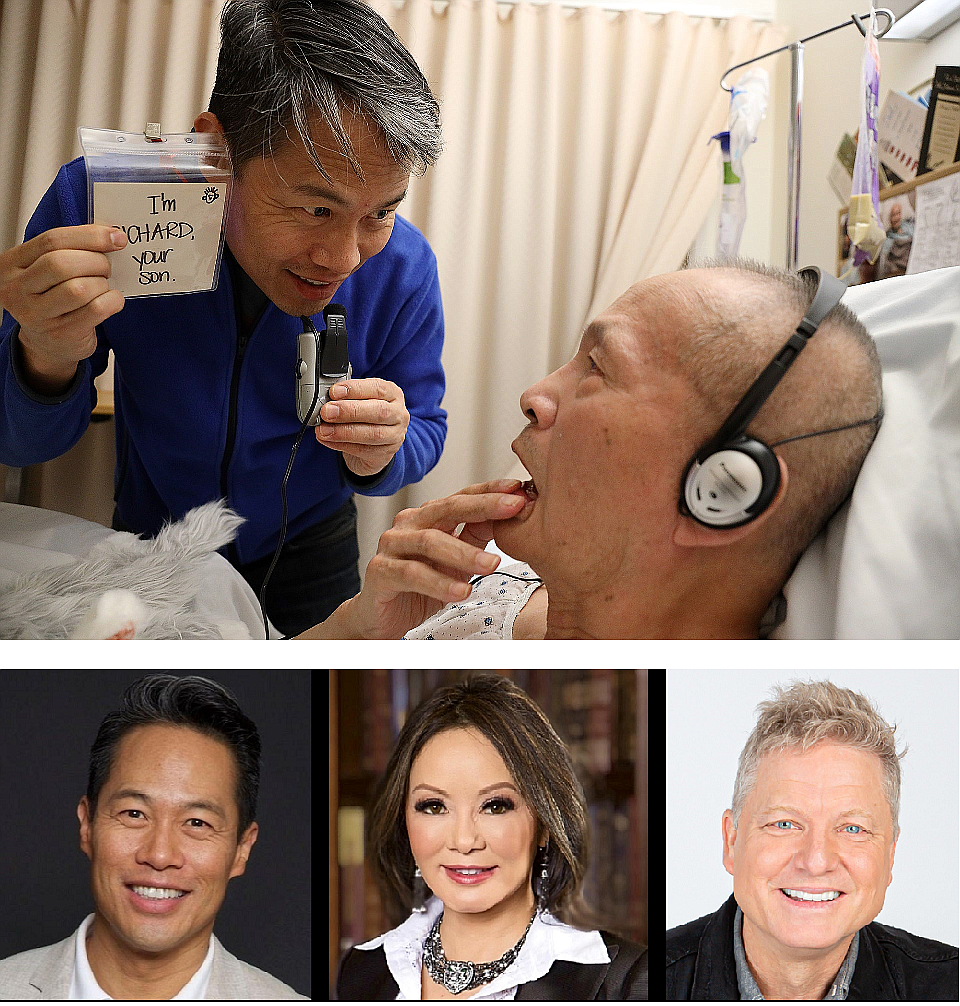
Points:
(796, 105)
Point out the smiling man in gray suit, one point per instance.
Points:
(167, 820)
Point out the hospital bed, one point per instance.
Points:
(34, 539)
(888, 564)
(886, 567)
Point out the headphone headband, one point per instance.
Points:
(829, 292)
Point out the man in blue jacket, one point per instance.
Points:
(326, 115)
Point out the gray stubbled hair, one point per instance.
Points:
(282, 61)
(807, 713)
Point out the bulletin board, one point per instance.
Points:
(929, 208)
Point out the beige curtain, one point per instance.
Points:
(110, 63)
(576, 163)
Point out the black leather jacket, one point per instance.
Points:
(892, 965)
(365, 977)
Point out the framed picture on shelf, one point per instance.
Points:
(922, 221)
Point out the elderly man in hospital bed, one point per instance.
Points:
(606, 521)
(613, 542)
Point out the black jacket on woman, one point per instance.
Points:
(892, 965)
(364, 976)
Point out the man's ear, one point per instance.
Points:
(207, 122)
(689, 533)
(729, 840)
(243, 850)
(86, 825)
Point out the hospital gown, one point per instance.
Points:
(490, 610)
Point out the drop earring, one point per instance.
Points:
(541, 875)
(419, 891)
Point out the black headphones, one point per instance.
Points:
(733, 478)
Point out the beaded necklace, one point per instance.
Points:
(459, 976)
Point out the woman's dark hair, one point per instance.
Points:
(537, 761)
(190, 701)
(282, 61)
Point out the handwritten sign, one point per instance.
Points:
(936, 241)
(173, 234)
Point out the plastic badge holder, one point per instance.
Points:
(169, 194)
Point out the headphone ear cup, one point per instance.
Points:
(732, 485)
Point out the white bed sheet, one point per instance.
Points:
(888, 565)
(32, 539)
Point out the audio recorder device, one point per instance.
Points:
(322, 360)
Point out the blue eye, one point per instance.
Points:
(849, 826)
(789, 825)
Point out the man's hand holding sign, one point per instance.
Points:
(57, 286)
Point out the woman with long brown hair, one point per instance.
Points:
(478, 839)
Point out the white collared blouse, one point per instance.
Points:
(547, 941)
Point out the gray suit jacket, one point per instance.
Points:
(46, 973)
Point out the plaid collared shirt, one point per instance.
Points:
(749, 991)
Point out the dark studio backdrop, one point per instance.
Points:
(48, 720)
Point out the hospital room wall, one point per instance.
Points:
(830, 108)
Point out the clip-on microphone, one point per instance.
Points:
(322, 360)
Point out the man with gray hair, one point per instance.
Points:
(326, 115)
(810, 842)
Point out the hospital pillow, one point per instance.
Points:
(888, 564)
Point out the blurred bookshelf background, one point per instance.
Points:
(601, 715)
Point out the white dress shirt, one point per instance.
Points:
(547, 941)
(83, 985)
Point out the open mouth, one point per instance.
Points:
(811, 897)
(158, 893)
(527, 489)
(469, 874)
(156, 900)
(311, 288)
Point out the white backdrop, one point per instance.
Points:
(709, 716)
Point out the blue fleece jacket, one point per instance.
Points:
(200, 417)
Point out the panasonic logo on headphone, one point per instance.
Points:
(733, 478)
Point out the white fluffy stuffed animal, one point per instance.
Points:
(127, 587)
